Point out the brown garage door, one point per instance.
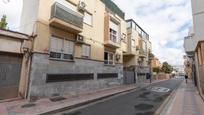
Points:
(10, 69)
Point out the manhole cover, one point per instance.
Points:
(58, 98)
(28, 105)
(145, 113)
(72, 113)
(144, 106)
(160, 89)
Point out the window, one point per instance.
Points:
(144, 47)
(109, 58)
(87, 18)
(113, 31)
(133, 25)
(139, 31)
(113, 35)
(85, 53)
(128, 24)
(133, 43)
(61, 48)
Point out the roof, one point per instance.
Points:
(114, 8)
(13, 34)
(137, 25)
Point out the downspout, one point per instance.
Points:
(30, 64)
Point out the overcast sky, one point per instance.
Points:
(166, 21)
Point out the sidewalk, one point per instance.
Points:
(186, 101)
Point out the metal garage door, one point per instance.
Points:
(10, 69)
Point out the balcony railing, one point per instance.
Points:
(142, 52)
(67, 15)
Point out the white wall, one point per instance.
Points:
(198, 20)
(29, 16)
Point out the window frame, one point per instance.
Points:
(83, 56)
(113, 35)
(133, 45)
(91, 19)
(62, 53)
(107, 62)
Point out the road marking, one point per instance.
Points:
(160, 89)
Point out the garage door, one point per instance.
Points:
(10, 69)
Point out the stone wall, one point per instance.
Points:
(42, 65)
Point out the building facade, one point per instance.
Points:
(79, 45)
(138, 50)
(14, 64)
(193, 44)
(155, 63)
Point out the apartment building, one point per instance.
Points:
(138, 50)
(79, 45)
(194, 44)
(155, 63)
(14, 64)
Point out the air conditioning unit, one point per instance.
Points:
(80, 39)
(82, 5)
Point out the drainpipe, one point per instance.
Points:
(30, 64)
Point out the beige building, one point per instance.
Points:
(14, 64)
(155, 63)
(138, 50)
(79, 45)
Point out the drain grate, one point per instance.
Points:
(145, 113)
(72, 113)
(144, 106)
(28, 105)
(58, 98)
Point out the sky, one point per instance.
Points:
(166, 21)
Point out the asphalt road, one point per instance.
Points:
(143, 101)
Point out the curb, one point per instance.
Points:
(84, 103)
(166, 101)
(94, 100)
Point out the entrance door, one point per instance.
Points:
(10, 69)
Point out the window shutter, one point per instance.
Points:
(71, 47)
(56, 45)
(53, 45)
(66, 47)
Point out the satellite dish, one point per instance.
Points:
(6, 1)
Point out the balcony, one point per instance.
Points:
(142, 53)
(65, 18)
(113, 42)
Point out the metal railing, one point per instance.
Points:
(142, 52)
(63, 13)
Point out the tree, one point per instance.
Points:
(3, 23)
(156, 70)
(166, 68)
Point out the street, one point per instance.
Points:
(143, 101)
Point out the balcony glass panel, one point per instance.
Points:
(63, 13)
